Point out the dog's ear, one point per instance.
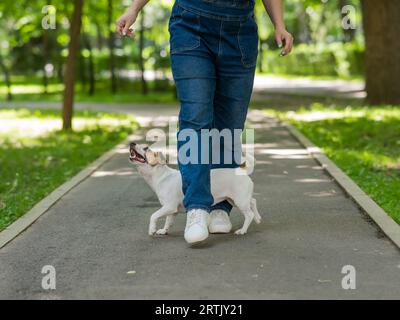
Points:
(151, 157)
(160, 158)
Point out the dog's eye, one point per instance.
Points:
(146, 148)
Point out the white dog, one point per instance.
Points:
(166, 182)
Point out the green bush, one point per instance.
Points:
(335, 59)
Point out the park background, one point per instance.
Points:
(344, 95)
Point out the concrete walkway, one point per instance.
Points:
(310, 87)
(96, 238)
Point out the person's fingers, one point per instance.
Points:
(119, 30)
(288, 40)
(120, 26)
(278, 38)
(128, 24)
(289, 43)
(130, 33)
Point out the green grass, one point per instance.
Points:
(36, 157)
(129, 91)
(362, 141)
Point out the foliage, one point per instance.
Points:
(28, 49)
(344, 60)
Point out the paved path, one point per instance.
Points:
(97, 233)
(310, 87)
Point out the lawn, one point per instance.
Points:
(31, 89)
(363, 141)
(36, 157)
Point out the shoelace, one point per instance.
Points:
(194, 218)
(220, 214)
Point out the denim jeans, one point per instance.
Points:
(214, 46)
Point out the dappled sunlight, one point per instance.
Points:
(101, 173)
(258, 162)
(290, 157)
(312, 180)
(12, 129)
(283, 152)
(319, 115)
(259, 116)
(294, 154)
(321, 194)
(155, 121)
(32, 88)
(262, 145)
(318, 112)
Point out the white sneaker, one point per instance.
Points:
(219, 222)
(196, 226)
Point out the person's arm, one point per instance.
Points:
(283, 37)
(128, 19)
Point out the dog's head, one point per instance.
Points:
(143, 155)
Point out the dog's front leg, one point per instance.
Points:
(163, 211)
(168, 223)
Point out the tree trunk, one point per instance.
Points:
(92, 78)
(141, 59)
(99, 36)
(7, 79)
(260, 55)
(82, 70)
(382, 50)
(46, 56)
(70, 69)
(46, 59)
(111, 46)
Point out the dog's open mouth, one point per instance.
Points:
(136, 156)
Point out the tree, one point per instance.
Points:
(141, 58)
(111, 46)
(6, 78)
(382, 50)
(70, 69)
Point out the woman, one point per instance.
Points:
(214, 46)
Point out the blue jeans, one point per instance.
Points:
(214, 46)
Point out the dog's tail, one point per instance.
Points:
(248, 163)
(253, 206)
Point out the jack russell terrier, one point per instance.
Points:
(226, 184)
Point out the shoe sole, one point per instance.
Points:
(197, 244)
(200, 242)
(219, 230)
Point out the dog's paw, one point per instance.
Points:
(162, 232)
(152, 231)
(240, 231)
(257, 220)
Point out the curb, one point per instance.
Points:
(389, 227)
(21, 224)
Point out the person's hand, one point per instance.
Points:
(125, 22)
(284, 39)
